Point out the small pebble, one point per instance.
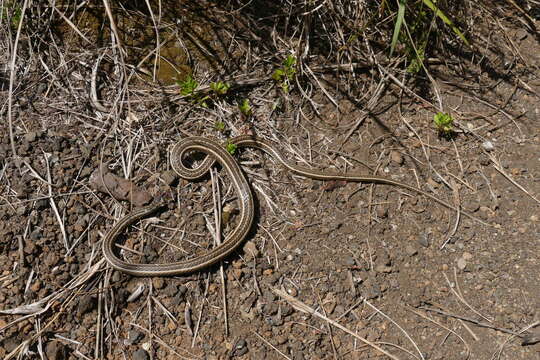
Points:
(444, 267)
(158, 282)
(86, 304)
(55, 350)
(349, 261)
(488, 145)
(240, 348)
(383, 269)
(461, 263)
(51, 259)
(423, 240)
(396, 157)
(291, 290)
(382, 212)
(140, 355)
(250, 250)
(134, 336)
(410, 250)
(169, 177)
(30, 137)
(240, 344)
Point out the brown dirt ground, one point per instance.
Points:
(369, 257)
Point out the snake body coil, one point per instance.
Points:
(216, 152)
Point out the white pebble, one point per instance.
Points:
(488, 145)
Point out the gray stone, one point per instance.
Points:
(140, 355)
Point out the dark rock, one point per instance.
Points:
(140, 355)
(240, 348)
(51, 259)
(86, 304)
(55, 350)
(134, 336)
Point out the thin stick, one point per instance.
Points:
(460, 297)
(476, 322)
(217, 217)
(444, 327)
(53, 204)
(499, 168)
(113, 26)
(398, 326)
(196, 332)
(12, 79)
(272, 346)
(300, 306)
(99, 322)
(72, 25)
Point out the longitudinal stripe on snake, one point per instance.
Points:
(216, 152)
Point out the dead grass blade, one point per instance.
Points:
(300, 306)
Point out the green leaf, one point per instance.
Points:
(416, 63)
(289, 61)
(220, 88)
(446, 20)
(231, 148)
(188, 86)
(245, 108)
(444, 123)
(397, 27)
(220, 126)
(278, 74)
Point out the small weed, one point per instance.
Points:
(15, 14)
(285, 73)
(416, 59)
(418, 30)
(245, 108)
(220, 88)
(231, 148)
(220, 126)
(444, 124)
(188, 86)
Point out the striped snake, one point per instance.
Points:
(216, 152)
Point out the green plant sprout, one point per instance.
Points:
(285, 73)
(231, 148)
(220, 126)
(417, 60)
(15, 15)
(220, 88)
(444, 123)
(188, 86)
(417, 30)
(245, 108)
